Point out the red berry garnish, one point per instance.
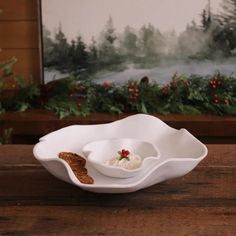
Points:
(124, 154)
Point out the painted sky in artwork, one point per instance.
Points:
(88, 17)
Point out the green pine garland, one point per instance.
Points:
(183, 95)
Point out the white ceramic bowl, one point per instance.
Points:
(99, 152)
(180, 152)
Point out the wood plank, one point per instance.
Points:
(15, 155)
(33, 202)
(22, 155)
(27, 65)
(41, 122)
(18, 9)
(19, 34)
(203, 187)
(220, 155)
(101, 221)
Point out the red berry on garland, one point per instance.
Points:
(13, 85)
(173, 83)
(226, 101)
(107, 84)
(165, 90)
(186, 84)
(132, 85)
(132, 98)
(77, 87)
(79, 104)
(216, 101)
(215, 95)
(10, 84)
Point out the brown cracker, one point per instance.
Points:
(77, 164)
(72, 158)
(85, 179)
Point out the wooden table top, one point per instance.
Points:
(33, 202)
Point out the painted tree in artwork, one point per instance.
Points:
(228, 15)
(107, 47)
(206, 17)
(93, 51)
(78, 54)
(47, 47)
(228, 21)
(60, 50)
(192, 41)
(147, 40)
(129, 42)
(151, 41)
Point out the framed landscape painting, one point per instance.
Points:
(121, 40)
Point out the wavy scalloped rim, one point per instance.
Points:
(180, 151)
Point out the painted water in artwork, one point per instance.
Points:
(121, 40)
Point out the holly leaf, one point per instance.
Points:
(114, 109)
(190, 110)
(143, 108)
(23, 106)
(228, 109)
(195, 95)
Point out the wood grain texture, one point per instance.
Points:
(33, 202)
(18, 10)
(27, 62)
(19, 34)
(40, 122)
(101, 221)
(203, 187)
